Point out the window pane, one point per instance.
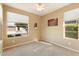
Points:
(71, 29)
(71, 18)
(17, 24)
(71, 34)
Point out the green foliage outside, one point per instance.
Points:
(71, 31)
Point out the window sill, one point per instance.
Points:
(70, 38)
(17, 37)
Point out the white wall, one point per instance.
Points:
(33, 34)
(56, 33)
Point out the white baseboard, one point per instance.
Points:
(62, 46)
(17, 45)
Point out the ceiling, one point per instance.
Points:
(30, 7)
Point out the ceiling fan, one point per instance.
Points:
(40, 6)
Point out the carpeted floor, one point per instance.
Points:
(39, 49)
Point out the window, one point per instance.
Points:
(71, 24)
(71, 29)
(17, 25)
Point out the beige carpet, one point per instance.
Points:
(39, 49)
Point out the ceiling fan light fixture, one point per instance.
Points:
(40, 7)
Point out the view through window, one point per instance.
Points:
(71, 19)
(17, 24)
(71, 29)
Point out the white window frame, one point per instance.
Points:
(65, 35)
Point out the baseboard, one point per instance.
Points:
(17, 45)
(74, 50)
